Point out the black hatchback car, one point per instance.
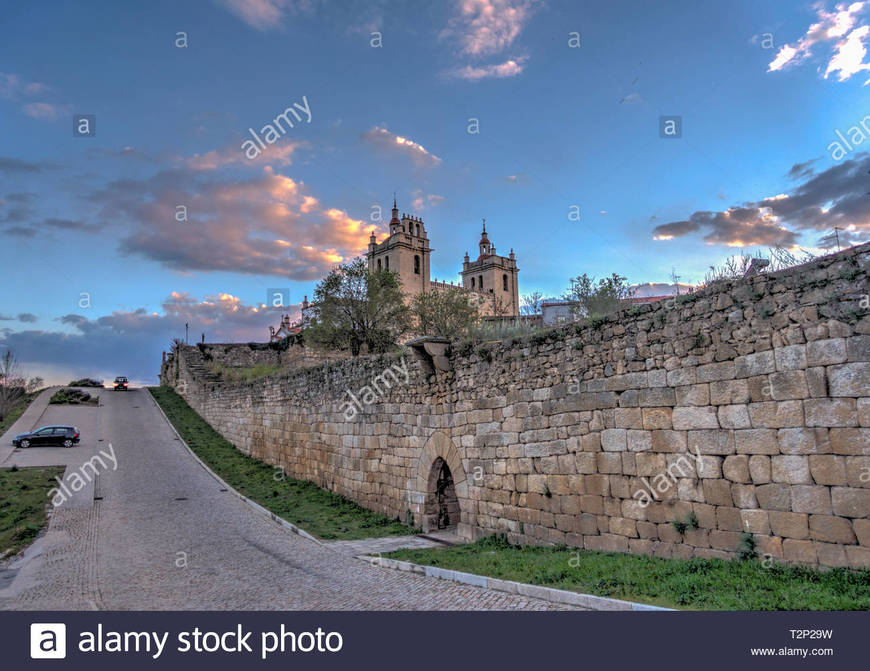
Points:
(48, 435)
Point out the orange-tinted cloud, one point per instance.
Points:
(278, 154)
(260, 14)
(268, 224)
(423, 200)
(485, 27)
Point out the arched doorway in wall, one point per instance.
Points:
(440, 488)
(442, 504)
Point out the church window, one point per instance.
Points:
(386, 262)
(504, 282)
(418, 230)
(480, 282)
(416, 264)
(472, 283)
(379, 264)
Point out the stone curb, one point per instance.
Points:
(256, 506)
(523, 589)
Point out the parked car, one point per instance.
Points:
(48, 435)
(120, 383)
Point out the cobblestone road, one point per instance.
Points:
(159, 533)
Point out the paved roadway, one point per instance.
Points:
(160, 533)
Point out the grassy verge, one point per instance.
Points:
(16, 411)
(23, 504)
(697, 584)
(320, 512)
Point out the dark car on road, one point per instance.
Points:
(120, 383)
(48, 435)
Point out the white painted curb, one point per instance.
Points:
(256, 506)
(550, 594)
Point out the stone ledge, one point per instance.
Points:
(550, 594)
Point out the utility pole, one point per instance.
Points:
(837, 230)
(185, 333)
(676, 279)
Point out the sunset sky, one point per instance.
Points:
(99, 274)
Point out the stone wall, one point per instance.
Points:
(744, 408)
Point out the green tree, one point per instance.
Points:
(448, 313)
(593, 299)
(353, 307)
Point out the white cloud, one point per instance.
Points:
(384, 139)
(12, 87)
(838, 26)
(46, 111)
(9, 85)
(783, 57)
(509, 68)
(849, 59)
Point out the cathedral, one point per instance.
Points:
(491, 279)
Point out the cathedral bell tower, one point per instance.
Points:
(494, 278)
(405, 251)
(485, 244)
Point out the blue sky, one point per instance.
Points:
(100, 275)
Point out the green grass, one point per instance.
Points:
(17, 410)
(73, 397)
(324, 514)
(23, 504)
(697, 584)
